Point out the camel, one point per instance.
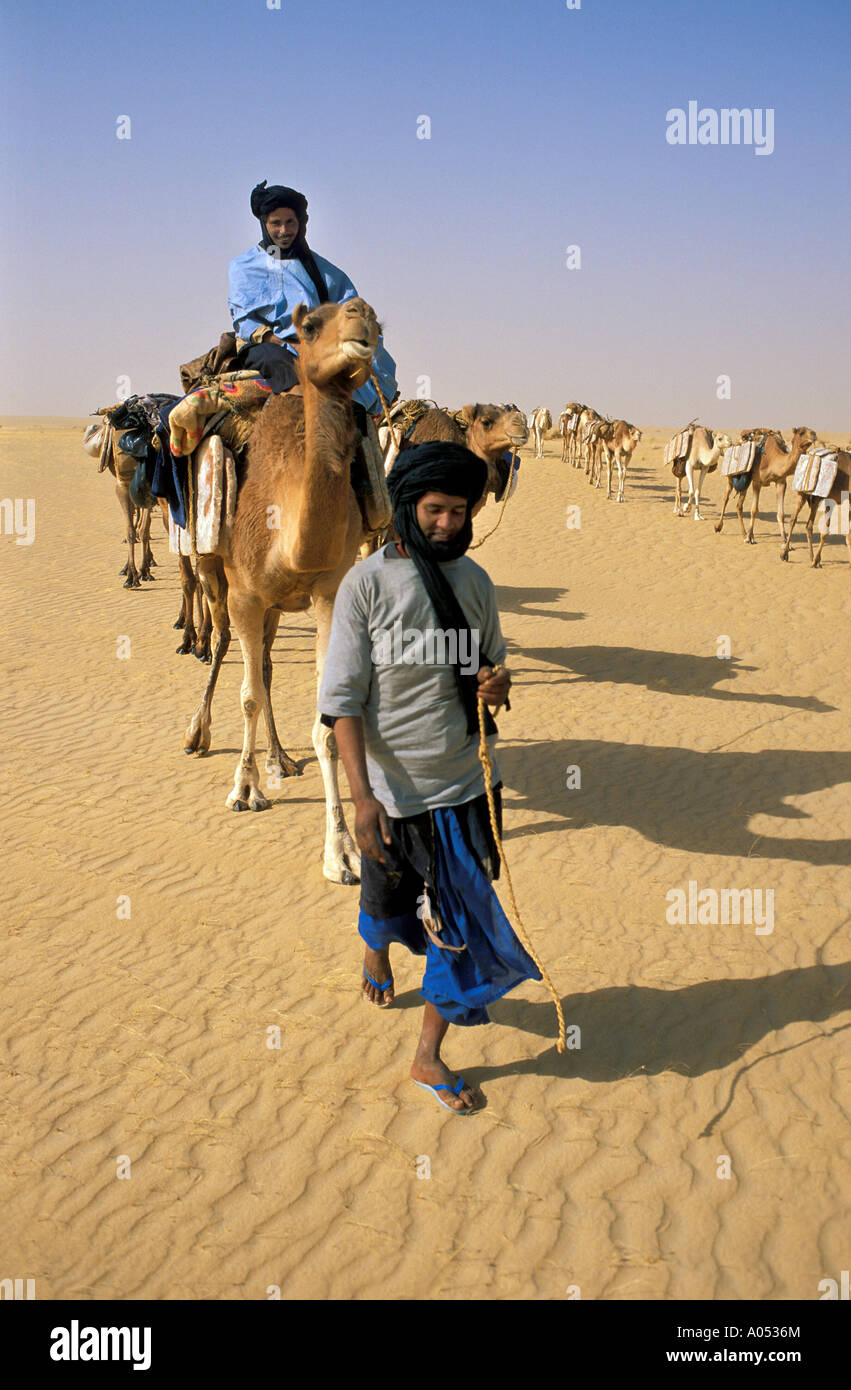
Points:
(704, 455)
(587, 417)
(100, 442)
(839, 496)
(571, 412)
(542, 421)
(297, 476)
(774, 464)
(486, 430)
(620, 444)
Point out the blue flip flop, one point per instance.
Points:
(456, 1091)
(380, 988)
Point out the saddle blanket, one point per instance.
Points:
(212, 502)
(815, 473)
(739, 458)
(678, 446)
(571, 423)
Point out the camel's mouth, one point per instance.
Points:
(357, 348)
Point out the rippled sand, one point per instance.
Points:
(602, 1170)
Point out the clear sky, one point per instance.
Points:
(548, 130)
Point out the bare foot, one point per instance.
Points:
(435, 1073)
(377, 964)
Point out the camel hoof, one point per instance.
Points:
(184, 649)
(750, 541)
(124, 567)
(718, 526)
(202, 651)
(280, 765)
(131, 583)
(239, 805)
(179, 625)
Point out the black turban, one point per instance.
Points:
(264, 200)
(452, 469)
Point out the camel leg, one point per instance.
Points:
(781, 507)
(609, 465)
(187, 609)
(203, 648)
(678, 496)
(621, 479)
(784, 554)
(825, 529)
(248, 615)
(212, 577)
(757, 489)
(145, 542)
(341, 860)
(740, 513)
(123, 495)
(809, 530)
(695, 484)
(720, 522)
(278, 762)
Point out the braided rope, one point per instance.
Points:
(487, 769)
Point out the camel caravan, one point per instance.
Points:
(820, 473)
(591, 440)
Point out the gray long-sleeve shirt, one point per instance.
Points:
(389, 663)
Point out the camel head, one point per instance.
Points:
(803, 436)
(722, 441)
(336, 343)
(491, 429)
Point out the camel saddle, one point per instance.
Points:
(210, 364)
(815, 472)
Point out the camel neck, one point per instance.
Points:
(324, 496)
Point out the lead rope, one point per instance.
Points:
(482, 540)
(487, 768)
(397, 443)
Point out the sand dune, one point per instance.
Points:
(253, 1167)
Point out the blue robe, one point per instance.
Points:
(263, 291)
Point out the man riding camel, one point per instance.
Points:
(268, 280)
(414, 641)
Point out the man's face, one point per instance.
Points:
(441, 516)
(282, 226)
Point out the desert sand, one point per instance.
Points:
(694, 1145)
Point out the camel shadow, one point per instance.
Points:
(635, 1029)
(675, 797)
(673, 673)
(513, 599)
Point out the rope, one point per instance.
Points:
(489, 533)
(487, 769)
(396, 442)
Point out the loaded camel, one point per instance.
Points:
(542, 421)
(297, 473)
(704, 455)
(774, 463)
(839, 496)
(100, 442)
(567, 424)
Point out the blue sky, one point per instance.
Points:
(547, 130)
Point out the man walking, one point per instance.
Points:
(414, 641)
